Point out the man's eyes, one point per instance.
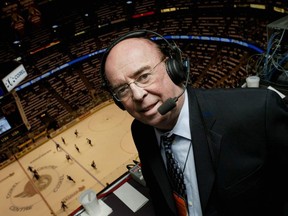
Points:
(122, 89)
(143, 77)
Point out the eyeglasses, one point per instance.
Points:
(145, 79)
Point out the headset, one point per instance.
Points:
(175, 66)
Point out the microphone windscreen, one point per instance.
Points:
(167, 106)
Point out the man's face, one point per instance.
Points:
(126, 62)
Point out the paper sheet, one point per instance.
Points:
(131, 197)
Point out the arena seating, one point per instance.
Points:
(65, 92)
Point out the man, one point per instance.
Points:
(89, 141)
(63, 205)
(70, 178)
(93, 164)
(58, 147)
(77, 148)
(232, 145)
(76, 132)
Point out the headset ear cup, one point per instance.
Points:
(175, 70)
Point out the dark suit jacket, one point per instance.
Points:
(241, 157)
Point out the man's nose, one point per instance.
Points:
(137, 92)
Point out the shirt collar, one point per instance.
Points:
(182, 127)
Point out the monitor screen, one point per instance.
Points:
(4, 125)
(2, 92)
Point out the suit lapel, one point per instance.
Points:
(205, 153)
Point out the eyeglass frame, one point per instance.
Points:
(136, 82)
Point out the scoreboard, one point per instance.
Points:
(11, 74)
(11, 121)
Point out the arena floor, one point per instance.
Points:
(112, 149)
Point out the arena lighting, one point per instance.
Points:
(118, 21)
(79, 33)
(129, 2)
(17, 42)
(45, 47)
(19, 58)
(103, 25)
(143, 14)
(167, 10)
(280, 10)
(54, 28)
(258, 6)
(241, 5)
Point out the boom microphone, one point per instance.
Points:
(170, 103)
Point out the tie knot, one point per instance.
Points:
(167, 141)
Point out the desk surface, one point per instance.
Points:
(120, 208)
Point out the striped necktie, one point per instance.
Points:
(173, 168)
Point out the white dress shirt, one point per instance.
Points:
(183, 151)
